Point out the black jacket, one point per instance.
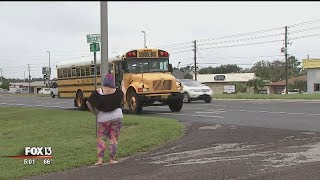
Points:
(108, 102)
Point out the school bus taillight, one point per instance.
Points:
(163, 54)
(132, 54)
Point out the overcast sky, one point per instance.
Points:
(29, 29)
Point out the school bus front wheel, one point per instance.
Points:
(135, 105)
(176, 107)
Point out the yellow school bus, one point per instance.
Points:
(143, 74)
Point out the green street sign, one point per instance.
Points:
(94, 47)
(93, 38)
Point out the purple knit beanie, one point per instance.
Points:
(109, 81)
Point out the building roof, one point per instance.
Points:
(310, 63)
(32, 84)
(290, 81)
(231, 77)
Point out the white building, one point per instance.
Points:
(224, 83)
(313, 74)
(23, 87)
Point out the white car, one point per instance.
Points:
(194, 90)
(44, 91)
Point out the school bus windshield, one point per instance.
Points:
(147, 65)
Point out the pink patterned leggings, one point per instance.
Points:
(110, 129)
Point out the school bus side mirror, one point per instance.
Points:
(170, 68)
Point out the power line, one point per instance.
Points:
(245, 44)
(241, 34)
(241, 57)
(229, 63)
(183, 51)
(175, 44)
(244, 39)
(306, 29)
(306, 36)
(303, 23)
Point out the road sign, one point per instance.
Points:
(46, 70)
(92, 38)
(94, 47)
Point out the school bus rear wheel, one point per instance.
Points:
(80, 102)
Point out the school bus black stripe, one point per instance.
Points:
(83, 77)
(75, 91)
(87, 84)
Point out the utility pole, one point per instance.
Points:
(29, 78)
(1, 77)
(195, 59)
(286, 54)
(145, 38)
(104, 43)
(104, 38)
(24, 77)
(49, 74)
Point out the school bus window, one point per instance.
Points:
(78, 71)
(92, 70)
(87, 71)
(69, 72)
(65, 72)
(60, 73)
(98, 70)
(73, 72)
(83, 71)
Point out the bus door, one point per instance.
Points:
(118, 72)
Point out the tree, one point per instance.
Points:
(261, 69)
(257, 84)
(188, 76)
(5, 83)
(294, 67)
(299, 84)
(240, 87)
(276, 70)
(222, 69)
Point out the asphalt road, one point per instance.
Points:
(226, 139)
(283, 114)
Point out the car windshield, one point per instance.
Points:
(191, 83)
(148, 65)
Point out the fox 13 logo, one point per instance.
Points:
(37, 152)
(29, 155)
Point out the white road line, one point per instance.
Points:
(277, 112)
(313, 114)
(296, 113)
(191, 115)
(210, 112)
(264, 111)
(27, 105)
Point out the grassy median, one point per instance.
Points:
(71, 134)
